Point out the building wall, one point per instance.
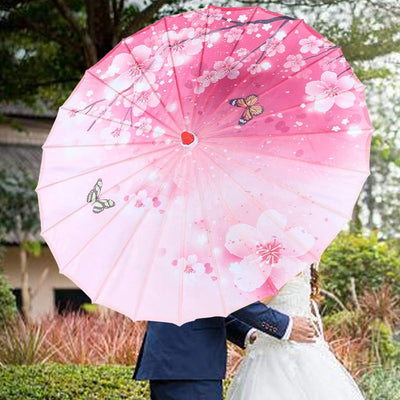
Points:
(43, 302)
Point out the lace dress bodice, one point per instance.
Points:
(293, 299)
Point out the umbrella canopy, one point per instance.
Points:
(203, 162)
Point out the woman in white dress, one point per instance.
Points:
(276, 369)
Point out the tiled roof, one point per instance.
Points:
(23, 149)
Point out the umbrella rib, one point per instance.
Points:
(151, 86)
(197, 95)
(151, 263)
(248, 73)
(260, 206)
(130, 101)
(129, 125)
(287, 158)
(175, 75)
(64, 267)
(103, 167)
(139, 223)
(184, 218)
(99, 145)
(277, 85)
(273, 135)
(232, 50)
(281, 185)
(209, 236)
(236, 222)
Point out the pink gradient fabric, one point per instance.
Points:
(203, 162)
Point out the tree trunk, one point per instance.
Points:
(370, 201)
(99, 26)
(356, 223)
(25, 292)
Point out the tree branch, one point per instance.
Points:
(88, 45)
(43, 30)
(145, 16)
(334, 297)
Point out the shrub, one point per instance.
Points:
(8, 305)
(22, 343)
(369, 261)
(382, 384)
(73, 338)
(363, 337)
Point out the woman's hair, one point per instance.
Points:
(315, 283)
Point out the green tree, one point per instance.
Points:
(48, 44)
(19, 216)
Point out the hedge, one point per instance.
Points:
(109, 382)
(8, 305)
(369, 261)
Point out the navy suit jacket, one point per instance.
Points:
(197, 350)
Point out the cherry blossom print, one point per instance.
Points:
(212, 15)
(260, 67)
(232, 35)
(205, 80)
(158, 131)
(190, 265)
(143, 126)
(272, 47)
(139, 101)
(241, 52)
(203, 16)
(310, 45)
(227, 68)
(331, 90)
(268, 245)
(252, 28)
(132, 66)
(116, 134)
(294, 62)
(211, 38)
(139, 200)
(180, 48)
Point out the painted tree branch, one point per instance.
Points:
(304, 3)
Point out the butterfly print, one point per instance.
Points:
(99, 204)
(251, 108)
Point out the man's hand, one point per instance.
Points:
(302, 330)
(253, 337)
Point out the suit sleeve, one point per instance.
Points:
(264, 318)
(236, 331)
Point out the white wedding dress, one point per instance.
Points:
(276, 369)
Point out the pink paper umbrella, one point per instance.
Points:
(203, 162)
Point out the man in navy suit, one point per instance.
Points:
(189, 362)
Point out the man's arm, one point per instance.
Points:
(277, 324)
(237, 331)
(264, 318)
